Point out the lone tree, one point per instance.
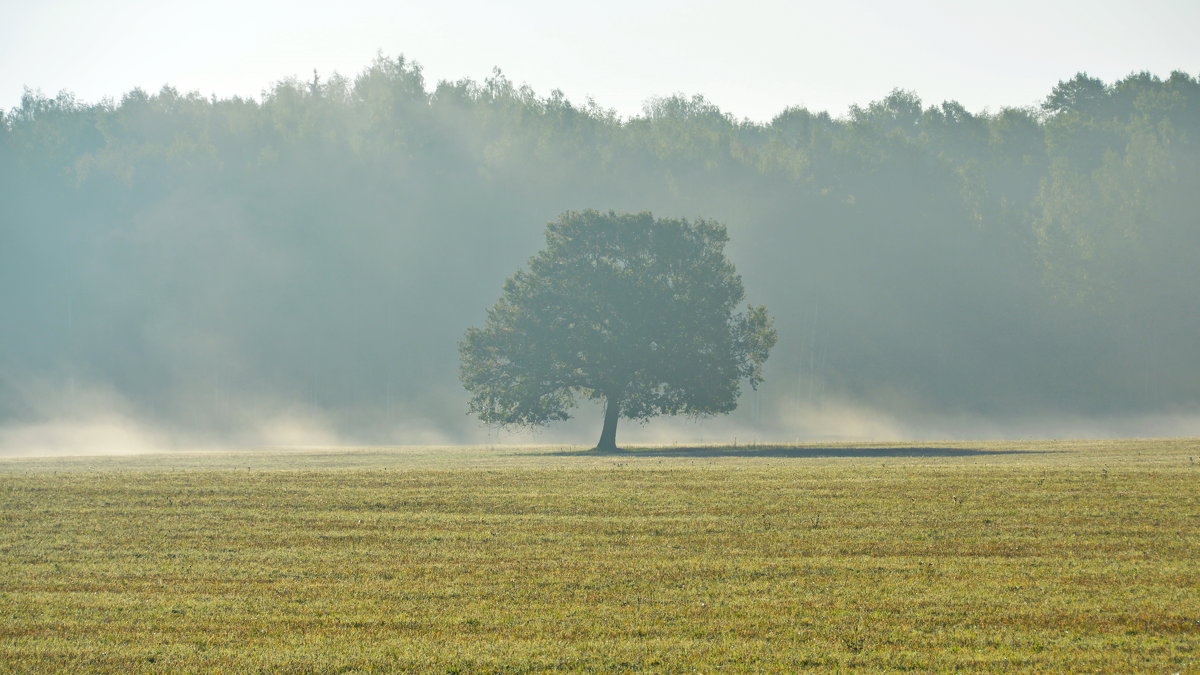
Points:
(637, 311)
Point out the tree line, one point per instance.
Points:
(325, 246)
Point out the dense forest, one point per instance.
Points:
(203, 263)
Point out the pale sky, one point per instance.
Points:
(752, 58)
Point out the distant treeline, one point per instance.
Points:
(326, 246)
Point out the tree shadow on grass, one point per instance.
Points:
(791, 452)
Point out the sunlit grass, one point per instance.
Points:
(1038, 556)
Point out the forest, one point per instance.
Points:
(202, 264)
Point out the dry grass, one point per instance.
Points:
(1031, 556)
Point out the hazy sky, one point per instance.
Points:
(752, 58)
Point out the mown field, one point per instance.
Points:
(1080, 556)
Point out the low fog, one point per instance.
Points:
(181, 272)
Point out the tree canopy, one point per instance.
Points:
(635, 311)
(323, 247)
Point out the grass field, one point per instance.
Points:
(1079, 556)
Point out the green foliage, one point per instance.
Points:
(627, 308)
(1081, 94)
(324, 245)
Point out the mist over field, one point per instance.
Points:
(186, 272)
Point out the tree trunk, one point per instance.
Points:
(608, 437)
